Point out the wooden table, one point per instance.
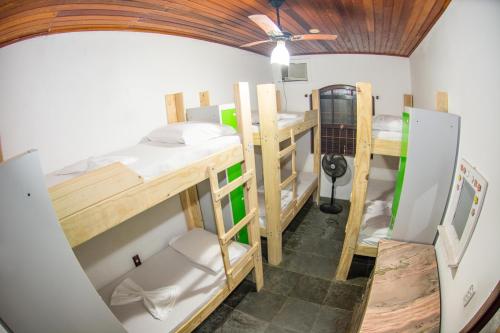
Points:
(403, 295)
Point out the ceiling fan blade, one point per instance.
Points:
(256, 43)
(313, 37)
(266, 24)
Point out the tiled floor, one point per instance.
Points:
(300, 295)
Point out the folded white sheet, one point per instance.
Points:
(158, 302)
(166, 268)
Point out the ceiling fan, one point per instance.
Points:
(280, 54)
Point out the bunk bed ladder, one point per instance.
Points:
(292, 179)
(226, 237)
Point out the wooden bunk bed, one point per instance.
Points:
(92, 203)
(366, 145)
(269, 137)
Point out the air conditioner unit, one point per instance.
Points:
(294, 72)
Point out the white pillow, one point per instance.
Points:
(202, 248)
(189, 133)
(385, 122)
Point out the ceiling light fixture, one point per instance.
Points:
(280, 54)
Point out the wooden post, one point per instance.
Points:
(189, 198)
(1, 151)
(242, 103)
(360, 179)
(317, 145)
(204, 98)
(408, 100)
(175, 108)
(266, 95)
(442, 101)
(278, 101)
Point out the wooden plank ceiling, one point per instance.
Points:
(392, 27)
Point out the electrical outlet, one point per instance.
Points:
(469, 294)
(137, 260)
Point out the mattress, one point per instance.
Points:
(166, 268)
(284, 120)
(147, 159)
(304, 182)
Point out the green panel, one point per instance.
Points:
(401, 171)
(237, 196)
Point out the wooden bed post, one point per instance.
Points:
(360, 179)
(442, 101)
(189, 198)
(266, 94)
(317, 145)
(278, 101)
(204, 98)
(408, 100)
(1, 151)
(242, 102)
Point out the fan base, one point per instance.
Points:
(330, 209)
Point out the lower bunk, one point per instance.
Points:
(307, 183)
(193, 265)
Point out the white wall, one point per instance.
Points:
(80, 94)
(390, 78)
(460, 55)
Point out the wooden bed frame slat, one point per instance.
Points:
(81, 192)
(386, 147)
(89, 222)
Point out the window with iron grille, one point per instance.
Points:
(338, 119)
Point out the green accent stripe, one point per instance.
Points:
(402, 168)
(237, 196)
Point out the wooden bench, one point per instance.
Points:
(403, 292)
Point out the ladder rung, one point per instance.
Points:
(222, 192)
(287, 151)
(287, 181)
(288, 209)
(243, 260)
(234, 230)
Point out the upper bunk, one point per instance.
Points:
(283, 123)
(97, 194)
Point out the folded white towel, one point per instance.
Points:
(158, 302)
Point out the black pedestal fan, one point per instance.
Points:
(335, 166)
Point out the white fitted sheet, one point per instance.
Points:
(304, 182)
(150, 160)
(387, 135)
(387, 127)
(377, 214)
(285, 119)
(166, 268)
